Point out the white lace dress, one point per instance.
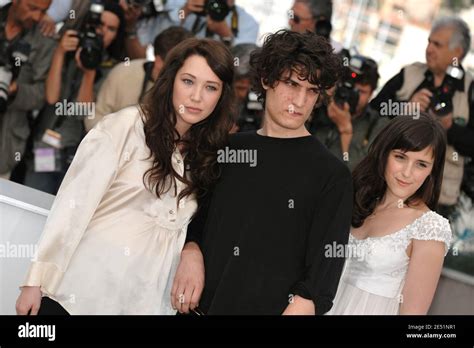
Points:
(374, 275)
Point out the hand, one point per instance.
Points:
(423, 97)
(29, 301)
(446, 121)
(69, 42)
(220, 28)
(189, 279)
(340, 117)
(47, 26)
(131, 15)
(13, 88)
(194, 6)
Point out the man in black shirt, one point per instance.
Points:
(283, 200)
(418, 85)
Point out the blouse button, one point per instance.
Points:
(179, 161)
(171, 212)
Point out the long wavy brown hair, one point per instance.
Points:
(404, 133)
(202, 141)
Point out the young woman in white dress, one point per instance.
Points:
(397, 242)
(114, 235)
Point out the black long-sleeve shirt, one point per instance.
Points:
(462, 138)
(266, 230)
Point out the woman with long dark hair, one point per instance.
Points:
(114, 236)
(397, 242)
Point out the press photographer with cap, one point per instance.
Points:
(348, 125)
(220, 19)
(442, 87)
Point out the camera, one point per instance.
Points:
(91, 42)
(216, 9)
(250, 117)
(12, 57)
(323, 27)
(149, 8)
(359, 69)
(441, 102)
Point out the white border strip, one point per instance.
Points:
(459, 276)
(24, 206)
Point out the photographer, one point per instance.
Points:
(140, 75)
(314, 16)
(80, 64)
(348, 124)
(145, 20)
(445, 89)
(250, 110)
(25, 56)
(221, 20)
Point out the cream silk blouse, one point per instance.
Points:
(110, 246)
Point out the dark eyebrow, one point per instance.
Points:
(434, 42)
(194, 77)
(403, 153)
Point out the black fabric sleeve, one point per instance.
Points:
(331, 224)
(388, 91)
(462, 138)
(198, 222)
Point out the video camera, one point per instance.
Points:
(92, 43)
(12, 57)
(441, 101)
(346, 92)
(218, 10)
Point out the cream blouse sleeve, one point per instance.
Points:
(90, 175)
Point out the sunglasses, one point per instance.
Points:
(297, 19)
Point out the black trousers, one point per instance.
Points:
(51, 307)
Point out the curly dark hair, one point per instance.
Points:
(202, 141)
(402, 133)
(309, 55)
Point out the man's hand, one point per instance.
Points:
(13, 88)
(220, 28)
(300, 306)
(189, 279)
(446, 121)
(47, 26)
(194, 6)
(423, 97)
(340, 117)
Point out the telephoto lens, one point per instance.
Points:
(12, 58)
(91, 42)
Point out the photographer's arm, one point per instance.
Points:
(86, 90)
(133, 46)
(69, 42)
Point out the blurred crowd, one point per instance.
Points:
(65, 64)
